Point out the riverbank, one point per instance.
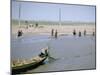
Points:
(46, 30)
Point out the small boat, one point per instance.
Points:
(27, 65)
(22, 66)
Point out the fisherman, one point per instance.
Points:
(36, 25)
(52, 32)
(20, 33)
(79, 34)
(84, 32)
(56, 34)
(93, 34)
(74, 32)
(44, 52)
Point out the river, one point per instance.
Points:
(71, 52)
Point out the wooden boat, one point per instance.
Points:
(28, 65)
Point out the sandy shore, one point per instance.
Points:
(46, 30)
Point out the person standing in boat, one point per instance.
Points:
(44, 52)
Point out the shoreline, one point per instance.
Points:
(46, 30)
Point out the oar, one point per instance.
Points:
(49, 56)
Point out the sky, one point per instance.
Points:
(50, 12)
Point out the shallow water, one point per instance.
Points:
(71, 52)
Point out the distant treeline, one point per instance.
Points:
(26, 22)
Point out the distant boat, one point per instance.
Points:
(35, 62)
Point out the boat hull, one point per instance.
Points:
(26, 67)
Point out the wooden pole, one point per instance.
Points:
(59, 16)
(19, 13)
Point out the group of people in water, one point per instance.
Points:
(80, 34)
(20, 32)
(74, 33)
(54, 33)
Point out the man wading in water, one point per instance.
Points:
(20, 33)
(52, 32)
(79, 34)
(56, 34)
(74, 32)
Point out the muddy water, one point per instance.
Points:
(71, 52)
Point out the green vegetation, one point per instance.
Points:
(23, 22)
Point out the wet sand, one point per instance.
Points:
(46, 30)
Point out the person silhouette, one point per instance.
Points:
(20, 33)
(84, 32)
(79, 34)
(93, 34)
(52, 32)
(44, 52)
(56, 34)
(74, 32)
